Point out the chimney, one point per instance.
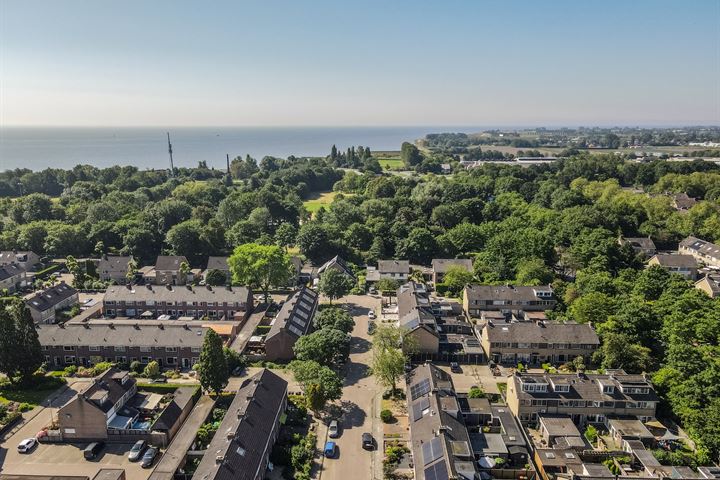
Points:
(219, 459)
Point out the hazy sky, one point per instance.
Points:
(481, 63)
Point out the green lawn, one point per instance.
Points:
(319, 199)
(31, 396)
(395, 163)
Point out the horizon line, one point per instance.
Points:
(496, 126)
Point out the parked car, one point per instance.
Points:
(371, 315)
(368, 442)
(334, 429)
(27, 445)
(149, 458)
(330, 449)
(137, 450)
(93, 450)
(455, 367)
(237, 371)
(373, 290)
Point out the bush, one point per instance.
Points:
(234, 359)
(499, 462)
(591, 434)
(136, 367)
(386, 416)
(476, 392)
(25, 407)
(394, 453)
(152, 370)
(70, 370)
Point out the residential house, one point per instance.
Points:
(337, 263)
(113, 268)
(508, 298)
(220, 264)
(535, 343)
(559, 431)
(439, 439)
(174, 345)
(44, 305)
(641, 245)
(148, 301)
(90, 414)
(440, 266)
(240, 450)
(167, 270)
(398, 270)
(584, 397)
(25, 259)
(683, 202)
(703, 251)
(12, 277)
(709, 284)
(292, 322)
(298, 277)
(683, 265)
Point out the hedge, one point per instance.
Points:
(47, 271)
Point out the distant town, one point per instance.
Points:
(531, 304)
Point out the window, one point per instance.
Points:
(195, 349)
(94, 348)
(171, 360)
(145, 360)
(45, 348)
(145, 349)
(171, 349)
(119, 348)
(69, 359)
(68, 348)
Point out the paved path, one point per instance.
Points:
(359, 406)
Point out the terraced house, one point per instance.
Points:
(703, 251)
(507, 299)
(148, 301)
(584, 397)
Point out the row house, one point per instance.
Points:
(583, 397)
(44, 305)
(703, 251)
(507, 298)
(148, 301)
(12, 277)
(440, 267)
(683, 265)
(26, 259)
(174, 346)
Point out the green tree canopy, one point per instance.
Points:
(334, 284)
(212, 368)
(260, 266)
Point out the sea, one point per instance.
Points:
(38, 148)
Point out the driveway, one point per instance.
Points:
(357, 410)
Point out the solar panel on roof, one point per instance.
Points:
(431, 450)
(418, 408)
(422, 388)
(438, 471)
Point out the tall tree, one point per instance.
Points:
(21, 353)
(260, 266)
(334, 284)
(319, 381)
(213, 369)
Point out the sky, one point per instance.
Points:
(343, 63)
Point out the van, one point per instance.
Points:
(92, 450)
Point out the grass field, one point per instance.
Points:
(319, 199)
(31, 396)
(394, 163)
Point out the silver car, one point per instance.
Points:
(136, 452)
(334, 429)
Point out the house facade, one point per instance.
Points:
(114, 268)
(535, 343)
(167, 270)
(683, 265)
(703, 251)
(583, 397)
(173, 346)
(221, 265)
(245, 438)
(508, 298)
(90, 413)
(44, 305)
(709, 284)
(148, 301)
(12, 277)
(398, 270)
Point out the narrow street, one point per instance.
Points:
(358, 407)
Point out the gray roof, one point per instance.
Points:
(50, 297)
(173, 411)
(559, 425)
(111, 334)
(114, 264)
(644, 243)
(713, 281)
(218, 263)
(439, 441)
(542, 332)
(339, 262)
(10, 270)
(675, 260)
(9, 256)
(169, 262)
(414, 308)
(684, 201)
(630, 427)
(113, 383)
(585, 386)
(238, 449)
(394, 266)
(507, 292)
(296, 314)
(182, 293)
(441, 265)
(701, 247)
(488, 444)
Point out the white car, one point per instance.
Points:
(27, 445)
(371, 315)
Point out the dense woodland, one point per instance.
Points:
(556, 223)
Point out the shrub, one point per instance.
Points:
(591, 434)
(499, 462)
(476, 392)
(152, 370)
(70, 370)
(25, 407)
(394, 453)
(136, 366)
(386, 416)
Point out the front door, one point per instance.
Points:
(185, 363)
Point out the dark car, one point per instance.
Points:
(149, 458)
(136, 452)
(368, 442)
(92, 450)
(330, 449)
(455, 367)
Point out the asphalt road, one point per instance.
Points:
(357, 410)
